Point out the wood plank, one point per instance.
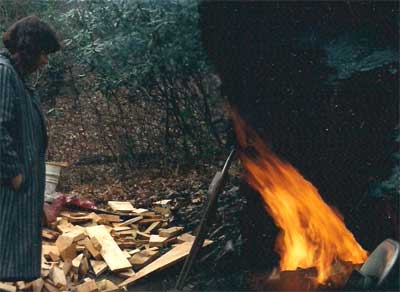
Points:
(109, 218)
(156, 240)
(107, 286)
(153, 227)
(143, 235)
(143, 258)
(91, 249)
(57, 276)
(147, 221)
(130, 221)
(98, 267)
(171, 257)
(186, 237)
(110, 251)
(170, 232)
(121, 206)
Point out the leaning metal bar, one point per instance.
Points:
(215, 187)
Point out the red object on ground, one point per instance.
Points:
(52, 210)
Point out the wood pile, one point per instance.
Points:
(80, 249)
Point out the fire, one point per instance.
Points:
(312, 234)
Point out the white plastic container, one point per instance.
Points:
(52, 176)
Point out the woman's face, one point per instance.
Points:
(43, 60)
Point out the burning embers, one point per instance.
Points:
(312, 234)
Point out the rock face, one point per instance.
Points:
(319, 80)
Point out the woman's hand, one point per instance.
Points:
(16, 182)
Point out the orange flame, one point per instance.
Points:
(312, 234)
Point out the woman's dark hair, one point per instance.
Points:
(27, 39)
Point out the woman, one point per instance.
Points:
(23, 142)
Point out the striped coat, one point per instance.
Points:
(23, 141)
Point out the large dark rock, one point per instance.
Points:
(319, 80)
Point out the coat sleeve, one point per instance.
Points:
(10, 164)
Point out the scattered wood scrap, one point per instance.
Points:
(174, 255)
(79, 247)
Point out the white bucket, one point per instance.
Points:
(52, 177)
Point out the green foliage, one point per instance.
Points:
(147, 51)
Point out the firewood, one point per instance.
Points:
(57, 276)
(156, 240)
(109, 218)
(120, 206)
(84, 266)
(170, 232)
(77, 233)
(66, 247)
(143, 258)
(186, 237)
(88, 286)
(130, 221)
(143, 235)
(118, 228)
(153, 227)
(110, 251)
(126, 253)
(76, 262)
(127, 244)
(134, 251)
(7, 287)
(50, 234)
(90, 247)
(130, 232)
(140, 210)
(171, 257)
(96, 243)
(54, 257)
(147, 221)
(47, 249)
(98, 267)
(107, 286)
